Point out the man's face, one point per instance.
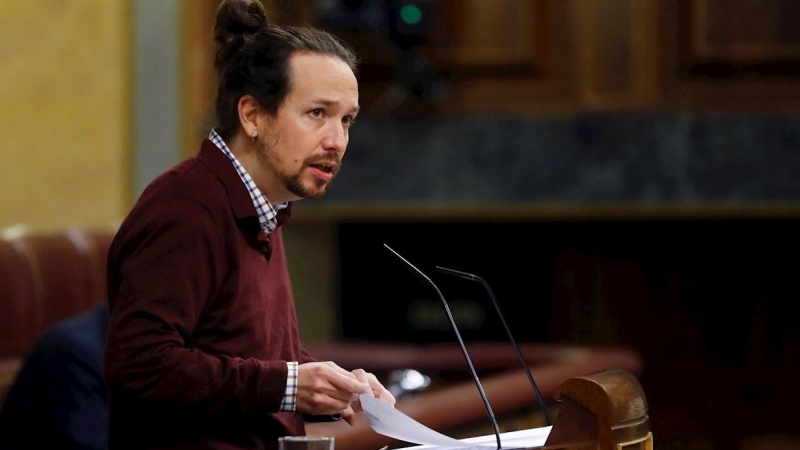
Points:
(302, 146)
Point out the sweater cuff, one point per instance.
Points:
(289, 402)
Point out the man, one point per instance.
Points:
(203, 348)
(59, 399)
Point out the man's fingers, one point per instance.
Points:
(349, 415)
(377, 389)
(364, 377)
(348, 382)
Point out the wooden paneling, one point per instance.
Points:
(496, 35)
(507, 56)
(552, 56)
(615, 58)
(730, 55)
(744, 31)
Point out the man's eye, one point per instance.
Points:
(348, 120)
(316, 112)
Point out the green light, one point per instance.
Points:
(410, 14)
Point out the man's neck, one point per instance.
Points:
(246, 152)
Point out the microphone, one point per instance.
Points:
(460, 342)
(469, 276)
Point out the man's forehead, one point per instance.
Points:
(318, 67)
(323, 80)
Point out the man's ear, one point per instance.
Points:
(249, 111)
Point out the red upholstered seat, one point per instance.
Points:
(45, 277)
(16, 300)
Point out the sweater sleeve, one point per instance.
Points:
(162, 276)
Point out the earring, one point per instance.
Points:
(253, 137)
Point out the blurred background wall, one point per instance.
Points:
(622, 172)
(65, 83)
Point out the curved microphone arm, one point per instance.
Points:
(460, 342)
(469, 276)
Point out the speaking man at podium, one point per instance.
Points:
(203, 349)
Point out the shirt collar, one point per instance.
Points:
(267, 213)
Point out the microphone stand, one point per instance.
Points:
(469, 276)
(461, 344)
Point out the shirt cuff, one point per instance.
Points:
(289, 402)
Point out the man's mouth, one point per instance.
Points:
(325, 167)
(325, 170)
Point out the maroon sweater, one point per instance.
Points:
(202, 316)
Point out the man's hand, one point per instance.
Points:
(326, 388)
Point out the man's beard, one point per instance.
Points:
(292, 182)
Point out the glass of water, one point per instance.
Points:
(305, 443)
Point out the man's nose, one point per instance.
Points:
(336, 138)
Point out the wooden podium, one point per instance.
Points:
(606, 410)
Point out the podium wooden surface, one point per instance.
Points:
(603, 411)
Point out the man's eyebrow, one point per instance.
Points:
(328, 102)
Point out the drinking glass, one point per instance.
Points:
(305, 443)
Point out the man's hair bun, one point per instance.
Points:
(237, 20)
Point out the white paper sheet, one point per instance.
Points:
(533, 437)
(393, 423)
